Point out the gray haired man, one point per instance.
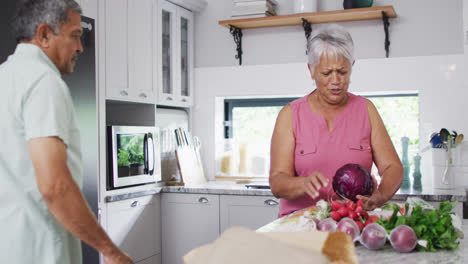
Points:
(42, 210)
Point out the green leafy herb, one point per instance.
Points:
(434, 226)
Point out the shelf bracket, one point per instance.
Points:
(386, 24)
(307, 30)
(237, 34)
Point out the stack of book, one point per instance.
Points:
(253, 8)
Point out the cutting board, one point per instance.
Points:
(189, 163)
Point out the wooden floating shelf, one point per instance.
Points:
(355, 14)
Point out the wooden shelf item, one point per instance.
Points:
(355, 14)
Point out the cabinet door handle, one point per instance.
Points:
(184, 100)
(203, 200)
(271, 202)
(124, 93)
(135, 204)
(169, 98)
(143, 95)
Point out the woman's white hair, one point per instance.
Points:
(331, 40)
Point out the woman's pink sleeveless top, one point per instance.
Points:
(317, 149)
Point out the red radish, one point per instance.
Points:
(402, 211)
(359, 203)
(335, 215)
(353, 215)
(343, 211)
(367, 223)
(359, 210)
(373, 236)
(350, 205)
(327, 224)
(349, 227)
(360, 224)
(364, 215)
(403, 239)
(373, 218)
(336, 205)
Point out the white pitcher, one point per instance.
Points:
(305, 6)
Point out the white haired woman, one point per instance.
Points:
(320, 132)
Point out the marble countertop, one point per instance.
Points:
(218, 187)
(231, 188)
(389, 255)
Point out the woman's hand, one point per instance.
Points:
(313, 183)
(375, 200)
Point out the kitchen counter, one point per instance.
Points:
(231, 188)
(389, 255)
(218, 187)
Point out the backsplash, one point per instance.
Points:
(439, 81)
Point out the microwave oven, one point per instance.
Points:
(133, 156)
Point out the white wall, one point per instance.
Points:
(426, 56)
(422, 28)
(438, 79)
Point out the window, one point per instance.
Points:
(249, 124)
(400, 114)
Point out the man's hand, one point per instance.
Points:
(59, 191)
(117, 257)
(375, 200)
(314, 182)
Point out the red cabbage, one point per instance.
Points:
(351, 180)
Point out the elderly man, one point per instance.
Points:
(43, 213)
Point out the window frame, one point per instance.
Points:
(230, 104)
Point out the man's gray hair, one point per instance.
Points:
(31, 13)
(331, 40)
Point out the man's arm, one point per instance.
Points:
(65, 200)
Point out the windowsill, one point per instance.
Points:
(241, 179)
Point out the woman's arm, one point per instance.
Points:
(283, 182)
(386, 159)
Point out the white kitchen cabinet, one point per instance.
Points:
(188, 221)
(247, 211)
(89, 8)
(465, 25)
(135, 226)
(129, 28)
(175, 55)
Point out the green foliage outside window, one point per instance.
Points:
(400, 114)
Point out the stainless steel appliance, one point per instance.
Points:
(82, 85)
(133, 155)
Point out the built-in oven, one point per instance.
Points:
(133, 156)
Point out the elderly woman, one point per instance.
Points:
(320, 132)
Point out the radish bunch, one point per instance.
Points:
(354, 211)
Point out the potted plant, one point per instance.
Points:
(136, 157)
(123, 163)
(131, 157)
